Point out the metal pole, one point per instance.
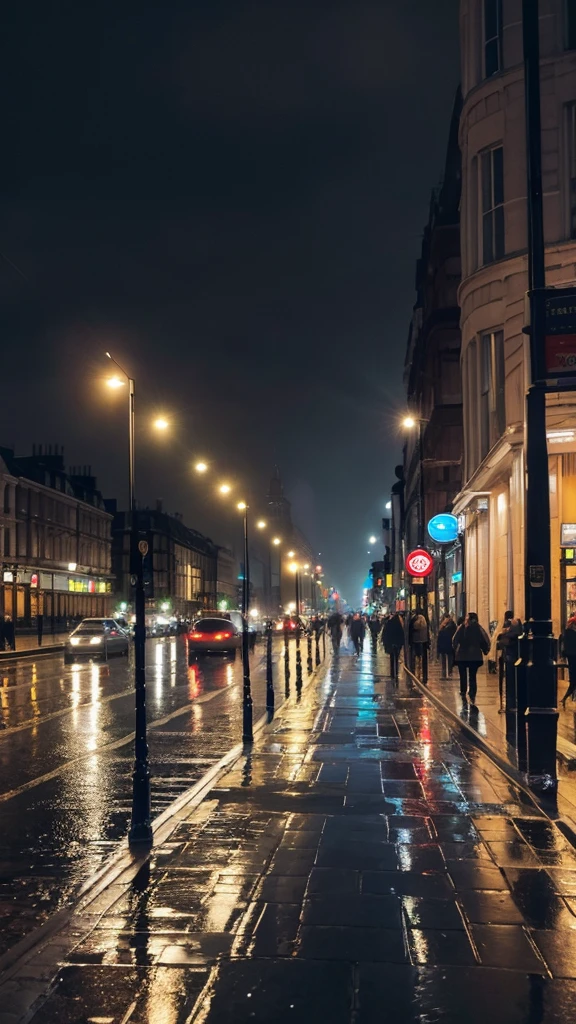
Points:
(286, 664)
(309, 663)
(537, 645)
(247, 734)
(298, 631)
(269, 675)
(317, 648)
(140, 827)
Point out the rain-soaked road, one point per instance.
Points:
(66, 755)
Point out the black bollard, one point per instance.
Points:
(298, 662)
(317, 645)
(269, 676)
(323, 645)
(286, 665)
(309, 663)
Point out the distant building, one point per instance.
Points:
(282, 583)
(180, 567)
(433, 384)
(55, 541)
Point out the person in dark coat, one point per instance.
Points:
(568, 643)
(9, 634)
(375, 627)
(335, 629)
(393, 641)
(419, 641)
(471, 644)
(444, 647)
(357, 631)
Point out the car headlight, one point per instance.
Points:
(95, 639)
(74, 641)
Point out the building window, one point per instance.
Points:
(492, 37)
(7, 551)
(470, 405)
(570, 24)
(492, 405)
(7, 499)
(492, 191)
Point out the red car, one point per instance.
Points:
(213, 635)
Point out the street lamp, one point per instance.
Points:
(140, 827)
(200, 467)
(224, 488)
(372, 539)
(247, 733)
(294, 568)
(161, 423)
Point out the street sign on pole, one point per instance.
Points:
(419, 563)
(443, 528)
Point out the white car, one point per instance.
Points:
(96, 638)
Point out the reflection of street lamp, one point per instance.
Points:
(140, 827)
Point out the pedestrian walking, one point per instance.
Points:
(419, 642)
(444, 648)
(393, 641)
(507, 646)
(568, 646)
(471, 643)
(334, 625)
(9, 634)
(375, 627)
(357, 631)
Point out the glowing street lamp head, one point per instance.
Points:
(408, 422)
(306, 566)
(241, 506)
(115, 383)
(372, 539)
(276, 541)
(261, 524)
(293, 567)
(224, 488)
(161, 423)
(200, 467)
(290, 554)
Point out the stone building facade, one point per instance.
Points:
(495, 356)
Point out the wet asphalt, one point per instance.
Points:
(66, 753)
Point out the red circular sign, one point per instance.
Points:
(419, 563)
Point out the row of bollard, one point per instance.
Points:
(311, 663)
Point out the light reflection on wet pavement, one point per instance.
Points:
(66, 761)
(362, 864)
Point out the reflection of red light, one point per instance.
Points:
(193, 681)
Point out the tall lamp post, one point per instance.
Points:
(295, 569)
(409, 423)
(538, 643)
(140, 827)
(247, 704)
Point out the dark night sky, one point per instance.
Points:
(230, 196)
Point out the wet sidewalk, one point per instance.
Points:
(27, 646)
(490, 726)
(362, 864)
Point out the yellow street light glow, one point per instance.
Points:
(115, 382)
(306, 566)
(200, 467)
(224, 488)
(161, 423)
(293, 567)
(241, 505)
(261, 524)
(408, 422)
(276, 541)
(290, 554)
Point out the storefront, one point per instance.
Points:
(60, 598)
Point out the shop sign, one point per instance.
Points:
(456, 577)
(560, 331)
(34, 580)
(389, 580)
(8, 576)
(568, 535)
(443, 528)
(419, 563)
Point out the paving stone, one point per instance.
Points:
(351, 944)
(506, 946)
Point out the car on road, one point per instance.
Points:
(207, 636)
(96, 638)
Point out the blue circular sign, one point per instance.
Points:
(443, 528)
